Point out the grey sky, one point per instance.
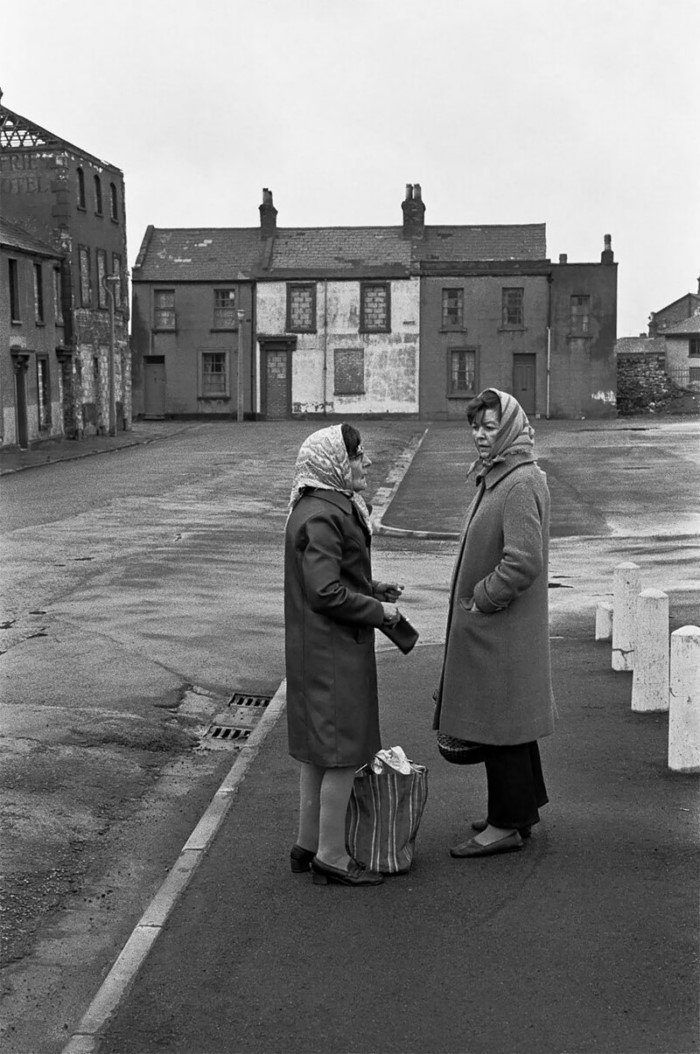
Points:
(578, 114)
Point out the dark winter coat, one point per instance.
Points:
(496, 679)
(330, 614)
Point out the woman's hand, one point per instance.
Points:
(391, 614)
(389, 591)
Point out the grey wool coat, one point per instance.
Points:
(496, 681)
(330, 614)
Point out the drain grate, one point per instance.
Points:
(234, 724)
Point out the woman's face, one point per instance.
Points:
(485, 430)
(358, 466)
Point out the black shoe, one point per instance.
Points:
(481, 825)
(301, 859)
(510, 843)
(356, 875)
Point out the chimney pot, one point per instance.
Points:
(413, 212)
(608, 241)
(409, 192)
(417, 193)
(607, 256)
(268, 215)
(563, 258)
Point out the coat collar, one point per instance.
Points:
(342, 501)
(503, 469)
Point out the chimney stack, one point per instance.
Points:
(413, 212)
(653, 325)
(268, 215)
(563, 258)
(607, 256)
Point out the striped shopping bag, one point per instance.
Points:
(383, 816)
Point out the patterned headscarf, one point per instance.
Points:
(515, 437)
(323, 462)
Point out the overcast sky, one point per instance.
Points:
(581, 114)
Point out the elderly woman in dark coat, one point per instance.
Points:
(495, 691)
(332, 607)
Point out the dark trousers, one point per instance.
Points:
(515, 783)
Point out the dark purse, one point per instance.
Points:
(460, 751)
(402, 634)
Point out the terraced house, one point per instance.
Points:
(409, 319)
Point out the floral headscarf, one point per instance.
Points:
(515, 437)
(323, 462)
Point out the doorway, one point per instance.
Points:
(154, 386)
(276, 394)
(19, 364)
(524, 377)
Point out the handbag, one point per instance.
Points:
(402, 634)
(384, 812)
(460, 751)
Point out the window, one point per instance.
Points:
(98, 196)
(580, 315)
(117, 269)
(84, 256)
(225, 309)
(349, 371)
(375, 312)
(513, 313)
(57, 297)
(694, 347)
(453, 309)
(164, 309)
(81, 188)
(694, 377)
(38, 294)
(462, 380)
(301, 308)
(113, 202)
(43, 391)
(214, 376)
(102, 294)
(15, 313)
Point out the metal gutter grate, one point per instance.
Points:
(233, 726)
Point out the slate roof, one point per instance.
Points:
(688, 326)
(229, 254)
(640, 346)
(15, 237)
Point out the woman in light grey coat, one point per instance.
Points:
(495, 689)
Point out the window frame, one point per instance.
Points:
(43, 391)
(102, 294)
(158, 326)
(81, 199)
(99, 208)
(14, 284)
(354, 350)
(225, 355)
(452, 392)
(232, 324)
(579, 324)
(445, 325)
(365, 288)
(39, 305)
(113, 203)
(506, 308)
(84, 276)
(117, 269)
(694, 348)
(293, 287)
(58, 296)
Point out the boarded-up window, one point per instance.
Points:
(462, 371)
(101, 272)
(57, 297)
(225, 309)
(38, 293)
(301, 308)
(164, 308)
(375, 312)
(452, 308)
(214, 374)
(513, 311)
(580, 315)
(84, 255)
(117, 269)
(349, 371)
(43, 391)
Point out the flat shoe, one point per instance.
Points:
(481, 825)
(356, 875)
(510, 843)
(300, 859)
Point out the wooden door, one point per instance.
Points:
(21, 405)
(277, 383)
(154, 386)
(524, 377)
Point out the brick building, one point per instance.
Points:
(74, 203)
(409, 319)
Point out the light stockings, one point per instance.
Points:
(323, 803)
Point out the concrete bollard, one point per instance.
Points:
(626, 583)
(684, 711)
(650, 678)
(603, 620)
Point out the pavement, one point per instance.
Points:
(585, 941)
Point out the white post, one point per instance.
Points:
(684, 713)
(626, 584)
(603, 620)
(650, 678)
